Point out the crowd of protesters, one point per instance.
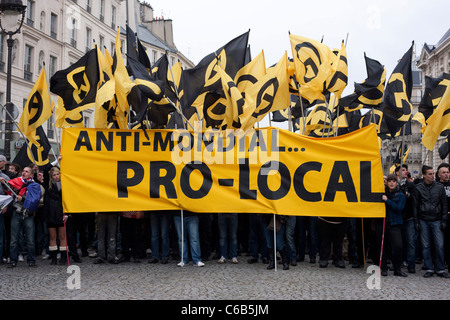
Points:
(413, 233)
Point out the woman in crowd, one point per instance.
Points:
(395, 202)
(53, 215)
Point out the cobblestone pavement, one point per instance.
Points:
(242, 281)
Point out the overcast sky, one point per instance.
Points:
(384, 29)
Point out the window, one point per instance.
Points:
(50, 128)
(73, 34)
(52, 66)
(53, 25)
(153, 56)
(113, 17)
(42, 22)
(30, 13)
(102, 42)
(88, 39)
(2, 53)
(88, 6)
(102, 10)
(87, 121)
(27, 68)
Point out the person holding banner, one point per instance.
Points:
(391, 226)
(430, 209)
(107, 223)
(331, 232)
(279, 226)
(257, 242)
(190, 223)
(228, 225)
(160, 231)
(130, 230)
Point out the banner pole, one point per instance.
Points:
(363, 243)
(275, 241)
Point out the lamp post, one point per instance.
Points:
(10, 11)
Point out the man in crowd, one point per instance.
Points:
(430, 211)
(443, 173)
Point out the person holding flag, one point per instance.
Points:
(28, 195)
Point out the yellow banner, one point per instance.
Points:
(267, 170)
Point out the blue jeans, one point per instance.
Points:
(228, 225)
(290, 241)
(190, 226)
(257, 236)
(430, 229)
(17, 223)
(279, 238)
(159, 226)
(411, 239)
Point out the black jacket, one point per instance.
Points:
(430, 202)
(407, 187)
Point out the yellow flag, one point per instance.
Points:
(312, 61)
(105, 91)
(123, 85)
(337, 81)
(270, 93)
(249, 74)
(437, 122)
(38, 108)
(234, 102)
(419, 117)
(64, 120)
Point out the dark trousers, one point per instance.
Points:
(393, 242)
(80, 221)
(331, 234)
(130, 229)
(71, 236)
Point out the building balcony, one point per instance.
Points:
(27, 75)
(30, 22)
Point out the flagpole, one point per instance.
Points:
(289, 119)
(303, 112)
(176, 92)
(337, 117)
(401, 150)
(182, 238)
(23, 135)
(51, 107)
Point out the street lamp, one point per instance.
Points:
(10, 11)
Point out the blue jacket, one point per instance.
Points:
(31, 201)
(394, 207)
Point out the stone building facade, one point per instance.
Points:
(59, 32)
